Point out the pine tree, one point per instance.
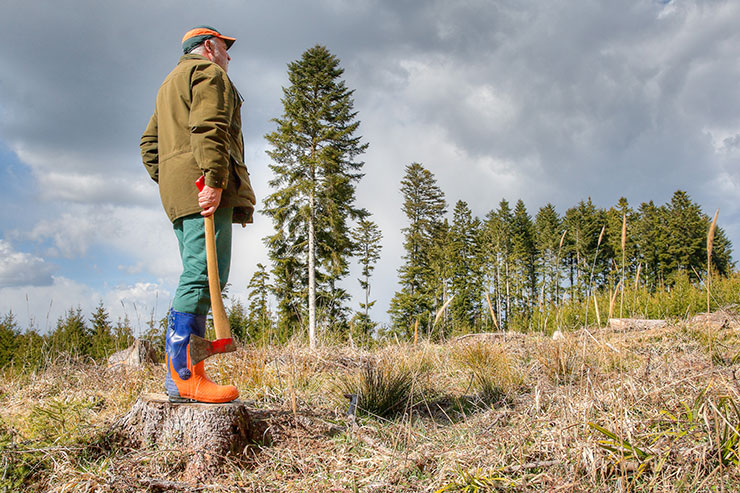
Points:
(123, 336)
(101, 338)
(651, 242)
(313, 151)
(71, 334)
(548, 233)
(260, 317)
(239, 321)
(441, 267)
(496, 237)
(9, 335)
(584, 223)
(467, 275)
(523, 254)
(424, 206)
(367, 236)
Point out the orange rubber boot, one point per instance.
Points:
(184, 381)
(199, 387)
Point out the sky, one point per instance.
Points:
(548, 102)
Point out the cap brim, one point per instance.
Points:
(229, 41)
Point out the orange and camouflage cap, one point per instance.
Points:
(198, 34)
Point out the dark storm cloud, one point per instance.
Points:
(544, 101)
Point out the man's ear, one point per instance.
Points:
(208, 44)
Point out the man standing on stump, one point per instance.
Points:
(196, 130)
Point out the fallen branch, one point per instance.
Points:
(482, 334)
(530, 465)
(161, 484)
(600, 343)
(634, 323)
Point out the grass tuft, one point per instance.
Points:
(492, 372)
(383, 391)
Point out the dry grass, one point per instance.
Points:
(651, 410)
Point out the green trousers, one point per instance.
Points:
(192, 294)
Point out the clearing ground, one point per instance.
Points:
(652, 409)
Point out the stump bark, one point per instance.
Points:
(207, 434)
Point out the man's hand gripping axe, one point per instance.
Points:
(200, 348)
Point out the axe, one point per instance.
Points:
(201, 348)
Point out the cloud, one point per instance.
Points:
(141, 235)
(39, 307)
(547, 102)
(140, 302)
(22, 269)
(72, 175)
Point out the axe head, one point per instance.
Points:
(201, 349)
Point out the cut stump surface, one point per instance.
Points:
(207, 434)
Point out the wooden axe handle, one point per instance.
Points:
(220, 320)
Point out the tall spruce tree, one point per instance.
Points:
(687, 225)
(467, 275)
(548, 232)
(313, 152)
(497, 237)
(651, 238)
(524, 259)
(441, 262)
(424, 205)
(584, 223)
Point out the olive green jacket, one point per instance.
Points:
(195, 130)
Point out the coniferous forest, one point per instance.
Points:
(514, 269)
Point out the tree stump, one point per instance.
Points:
(139, 353)
(207, 434)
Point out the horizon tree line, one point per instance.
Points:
(508, 264)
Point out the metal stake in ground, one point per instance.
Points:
(201, 348)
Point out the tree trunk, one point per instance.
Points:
(311, 275)
(498, 290)
(367, 297)
(207, 434)
(508, 297)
